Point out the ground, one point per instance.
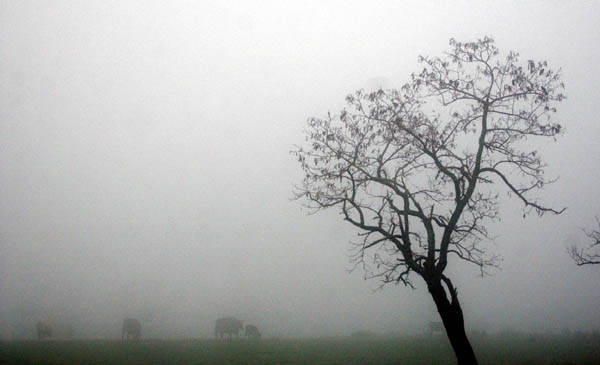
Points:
(496, 349)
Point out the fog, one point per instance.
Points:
(145, 166)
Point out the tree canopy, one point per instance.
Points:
(414, 168)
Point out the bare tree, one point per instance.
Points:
(591, 254)
(417, 170)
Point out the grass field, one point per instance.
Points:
(518, 349)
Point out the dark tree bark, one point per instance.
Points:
(452, 318)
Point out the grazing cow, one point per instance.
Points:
(131, 329)
(252, 331)
(44, 330)
(435, 327)
(228, 325)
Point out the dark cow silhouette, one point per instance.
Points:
(44, 330)
(252, 331)
(228, 325)
(131, 329)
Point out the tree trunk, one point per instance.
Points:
(453, 320)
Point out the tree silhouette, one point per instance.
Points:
(591, 254)
(418, 170)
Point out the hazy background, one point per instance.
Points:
(145, 167)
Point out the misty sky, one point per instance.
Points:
(145, 167)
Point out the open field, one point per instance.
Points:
(519, 349)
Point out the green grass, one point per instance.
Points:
(521, 349)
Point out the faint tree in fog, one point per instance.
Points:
(591, 254)
(418, 169)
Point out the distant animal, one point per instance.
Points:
(435, 327)
(228, 325)
(131, 329)
(252, 331)
(44, 330)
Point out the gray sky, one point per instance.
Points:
(145, 167)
